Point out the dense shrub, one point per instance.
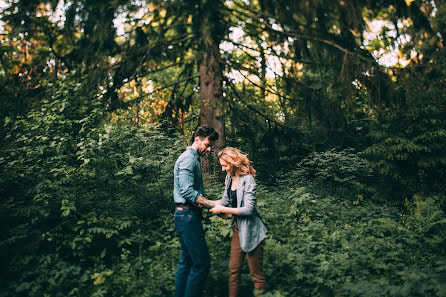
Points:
(325, 245)
(83, 199)
(338, 170)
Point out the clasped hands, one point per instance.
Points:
(214, 206)
(217, 209)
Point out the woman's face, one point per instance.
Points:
(225, 166)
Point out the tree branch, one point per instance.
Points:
(274, 53)
(234, 89)
(301, 36)
(255, 84)
(161, 69)
(164, 87)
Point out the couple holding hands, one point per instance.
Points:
(238, 199)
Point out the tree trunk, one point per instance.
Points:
(211, 95)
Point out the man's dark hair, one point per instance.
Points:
(206, 131)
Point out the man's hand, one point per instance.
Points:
(210, 204)
(203, 202)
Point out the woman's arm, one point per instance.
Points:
(218, 209)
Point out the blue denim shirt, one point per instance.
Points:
(188, 182)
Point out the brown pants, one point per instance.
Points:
(255, 262)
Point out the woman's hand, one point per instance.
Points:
(217, 209)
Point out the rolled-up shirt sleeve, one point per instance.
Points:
(186, 182)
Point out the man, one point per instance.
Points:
(194, 263)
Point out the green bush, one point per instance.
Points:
(84, 200)
(325, 245)
(341, 171)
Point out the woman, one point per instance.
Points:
(249, 231)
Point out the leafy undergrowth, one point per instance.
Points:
(321, 245)
(318, 245)
(326, 245)
(86, 210)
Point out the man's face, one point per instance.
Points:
(204, 145)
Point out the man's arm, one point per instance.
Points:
(205, 202)
(209, 204)
(186, 184)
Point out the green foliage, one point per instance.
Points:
(340, 170)
(87, 211)
(327, 246)
(84, 199)
(409, 140)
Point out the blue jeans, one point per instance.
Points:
(194, 264)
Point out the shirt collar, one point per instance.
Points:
(194, 152)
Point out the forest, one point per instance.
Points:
(340, 105)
